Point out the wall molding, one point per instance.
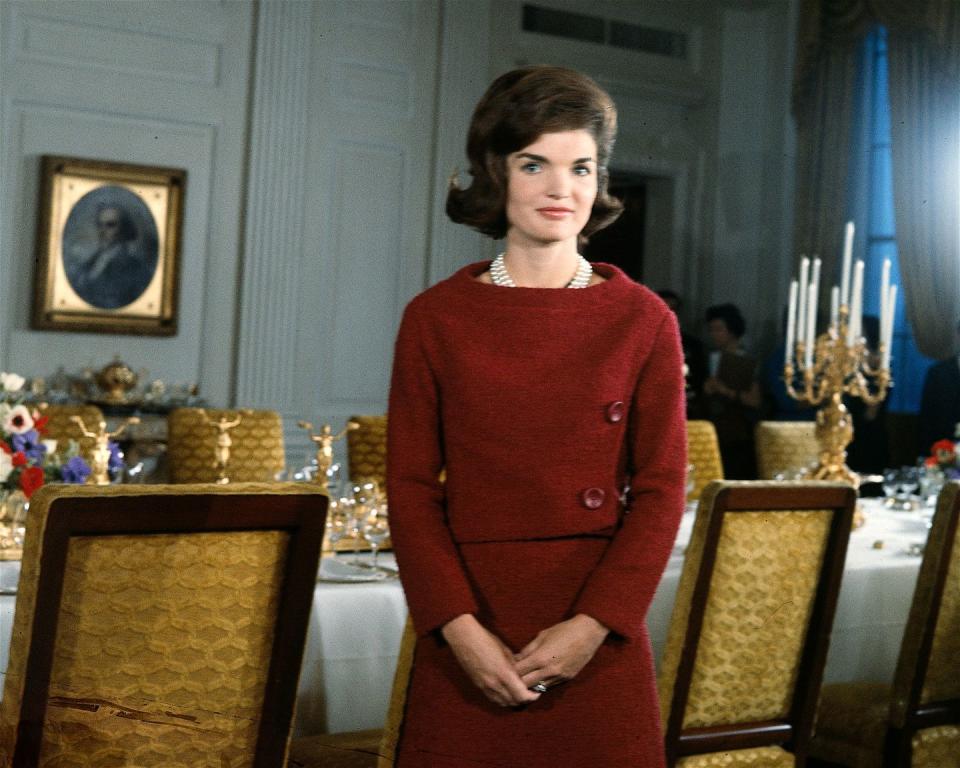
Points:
(273, 234)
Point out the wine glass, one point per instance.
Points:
(890, 484)
(366, 498)
(375, 529)
(909, 481)
(339, 521)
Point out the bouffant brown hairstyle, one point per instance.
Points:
(518, 108)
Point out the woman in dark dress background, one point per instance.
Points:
(550, 391)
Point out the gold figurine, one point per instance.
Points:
(324, 440)
(222, 451)
(100, 463)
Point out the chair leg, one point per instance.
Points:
(898, 748)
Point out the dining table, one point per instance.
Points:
(358, 617)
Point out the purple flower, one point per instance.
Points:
(76, 470)
(115, 463)
(29, 443)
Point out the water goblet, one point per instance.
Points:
(339, 520)
(365, 496)
(907, 483)
(375, 529)
(890, 484)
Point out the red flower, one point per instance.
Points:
(930, 461)
(19, 459)
(5, 448)
(944, 451)
(40, 422)
(30, 479)
(942, 445)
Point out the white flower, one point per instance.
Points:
(6, 466)
(50, 445)
(12, 382)
(18, 420)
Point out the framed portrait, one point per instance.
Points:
(108, 247)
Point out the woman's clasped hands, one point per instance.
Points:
(555, 655)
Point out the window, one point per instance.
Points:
(871, 208)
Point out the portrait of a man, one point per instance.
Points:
(110, 247)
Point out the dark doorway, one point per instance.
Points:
(621, 244)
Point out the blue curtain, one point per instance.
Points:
(870, 207)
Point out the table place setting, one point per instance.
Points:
(333, 570)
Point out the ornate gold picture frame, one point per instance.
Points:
(108, 247)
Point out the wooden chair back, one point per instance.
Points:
(160, 625)
(748, 637)
(703, 453)
(926, 690)
(363, 749)
(785, 446)
(256, 450)
(367, 450)
(60, 427)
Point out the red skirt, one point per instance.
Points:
(607, 716)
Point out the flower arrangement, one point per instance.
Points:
(27, 459)
(944, 456)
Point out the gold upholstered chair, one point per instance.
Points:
(367, 449)
(785, 446)
(916, 720)
(256, 450)
(703, 452)
(748, 637)
(363, 749)
(160, 626)
(60, 427)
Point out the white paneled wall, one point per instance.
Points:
(318, 138)
(368, 194)
(155, 83)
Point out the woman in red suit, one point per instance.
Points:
(551, 392)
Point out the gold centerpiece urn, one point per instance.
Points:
(821, 369)
(116, 380)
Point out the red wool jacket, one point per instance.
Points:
(544, 406)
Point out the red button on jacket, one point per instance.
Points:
(592, 498)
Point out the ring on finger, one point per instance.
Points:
(539, 687)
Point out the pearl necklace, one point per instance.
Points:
(500, 276)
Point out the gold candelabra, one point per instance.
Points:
(836, 369)
(820, 370)
(100, 459)
(324, 440)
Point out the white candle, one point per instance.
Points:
(802, 295)
(891, 314)
(845, 272)
(856, 305)
(811, 325)
(815, 276)
(791, 323)
(884, 296)
(834, 306)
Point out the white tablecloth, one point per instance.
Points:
(355, 629)
(871, 615)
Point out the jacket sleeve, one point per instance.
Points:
(432, 573)
(619, 591)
